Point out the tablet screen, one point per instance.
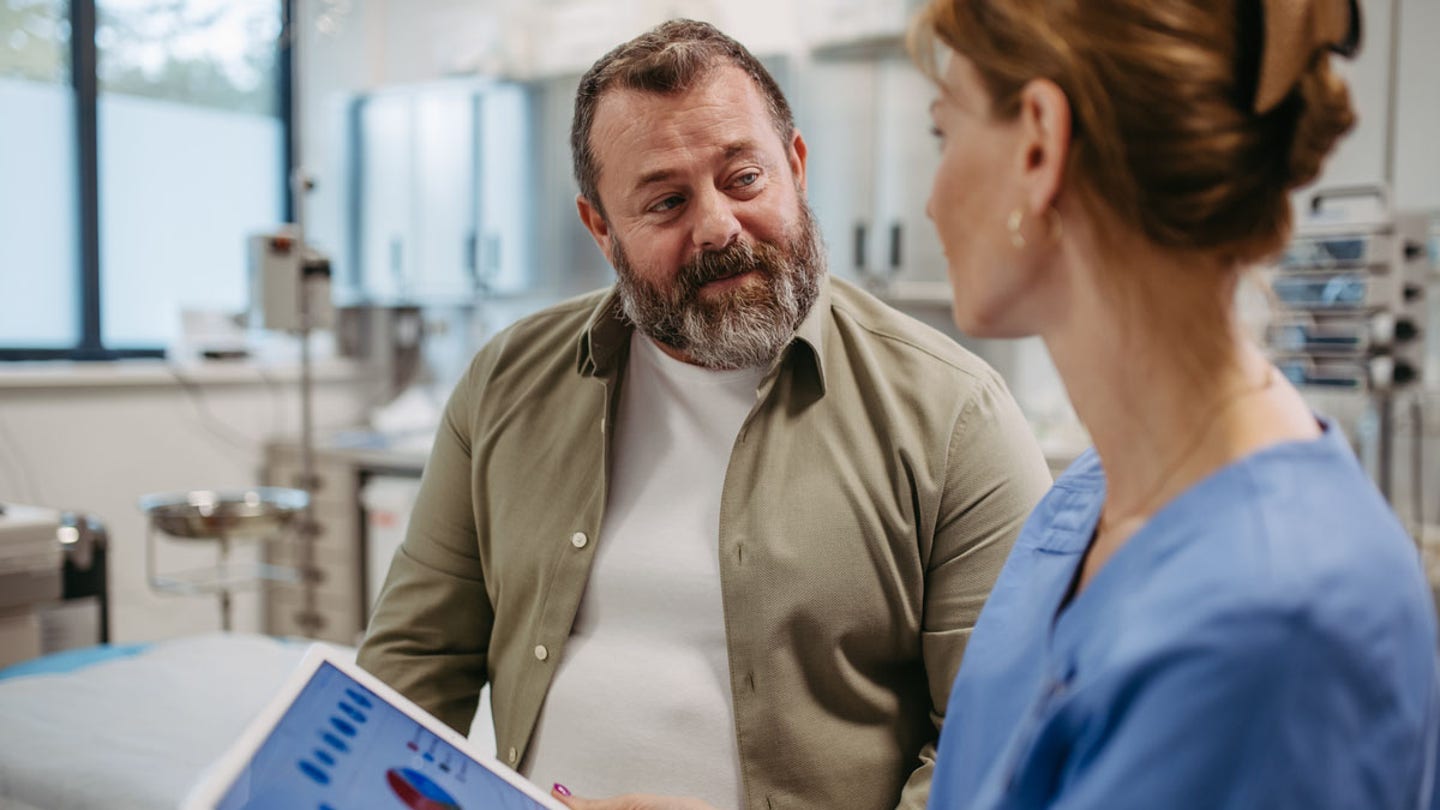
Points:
(341, 747)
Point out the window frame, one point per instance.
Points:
(85, 83)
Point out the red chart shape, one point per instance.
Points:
(417, 791)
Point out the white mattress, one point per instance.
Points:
(133, 732)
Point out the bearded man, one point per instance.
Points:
(722, 530)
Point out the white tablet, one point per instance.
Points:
(336, 738)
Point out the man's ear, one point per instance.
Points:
(1045, 143)
(797, 154)
(595, 223)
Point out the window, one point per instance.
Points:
(39, 286)
(123, 223)
(191, 147)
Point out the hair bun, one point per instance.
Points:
(1295, 30)
(1324, 114)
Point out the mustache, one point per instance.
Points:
(740, 257)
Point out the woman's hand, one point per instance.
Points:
(630, 801)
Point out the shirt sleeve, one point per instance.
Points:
(1259, 712)
(431, 626)
(995, 475)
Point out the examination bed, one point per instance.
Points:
(130, 726)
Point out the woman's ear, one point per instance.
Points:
(1045, 142)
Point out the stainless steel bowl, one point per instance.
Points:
(250, 514)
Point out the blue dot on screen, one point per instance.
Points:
(359, 697)
(352, 712)
(325, 807)
(324, 756)
(343, 727)
(314, 772)
(335, 742)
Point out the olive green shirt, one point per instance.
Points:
(871, 498)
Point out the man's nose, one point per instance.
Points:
(715, 223)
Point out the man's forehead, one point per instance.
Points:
(649, 133)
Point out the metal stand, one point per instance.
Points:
(309, 618)
(260, 514)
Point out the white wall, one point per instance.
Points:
(1417, 125)
(96, 437)
(1362, 158)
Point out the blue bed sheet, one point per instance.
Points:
(71, 660)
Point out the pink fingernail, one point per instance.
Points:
(561, 789)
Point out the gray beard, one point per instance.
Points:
(741, 328)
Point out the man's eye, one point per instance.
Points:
(747, 179)
(937, 134)
(667, 204)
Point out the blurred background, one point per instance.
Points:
(255, 242)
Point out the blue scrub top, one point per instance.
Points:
(1266, 640)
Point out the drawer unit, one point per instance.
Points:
(341, 621)
(336, 548)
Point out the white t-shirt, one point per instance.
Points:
(641, 700)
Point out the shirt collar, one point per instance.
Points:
(811, 335)
(606, 335)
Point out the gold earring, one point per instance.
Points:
(1017, 218)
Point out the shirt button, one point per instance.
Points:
(512, 755)
(578, 539)
(541, 653)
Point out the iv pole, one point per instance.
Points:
(308, 619)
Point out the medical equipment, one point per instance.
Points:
(289, 284)
(290, 291)
(52, 582)
(1351, 317)
(263, 514)
(388, 340)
